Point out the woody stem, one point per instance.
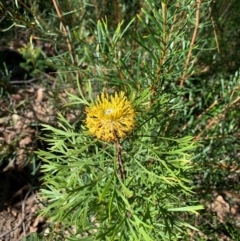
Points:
(119, 160)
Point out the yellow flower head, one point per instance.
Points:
(110, 117)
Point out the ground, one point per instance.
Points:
(25, 105)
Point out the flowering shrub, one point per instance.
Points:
(113, 182)
(123, 171)
(104, 180)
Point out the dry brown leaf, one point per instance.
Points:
(40, 94)
(25, 141)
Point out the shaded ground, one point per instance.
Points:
(19, 170)
(19, 219)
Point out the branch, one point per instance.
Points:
(192, 43)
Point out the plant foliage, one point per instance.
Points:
(172, 60)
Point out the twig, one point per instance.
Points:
(209, 108)
(226, 10)
(172, 28)
(63, 25)
(3, 17)
(214, 30)
(192, 43)
(119, 159)
(22, 81)
(203, 113)
(68, 41)
(163, 55)
(215, 120)
(24, 5)
(23, 216)
(164, 38)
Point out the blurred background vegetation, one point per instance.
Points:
(56, 45)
